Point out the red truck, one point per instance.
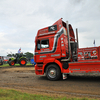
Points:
(57, 52)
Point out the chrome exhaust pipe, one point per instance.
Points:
(69, 49)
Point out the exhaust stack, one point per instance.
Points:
(77, 38)
(69, 50)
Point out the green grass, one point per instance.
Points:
(16, 95)
(4, 65)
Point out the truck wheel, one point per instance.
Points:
(22, 62)
(11, 63)
(53, 72)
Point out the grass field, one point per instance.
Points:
(4, 65)
(16, 95)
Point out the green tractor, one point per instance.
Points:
(18, 58)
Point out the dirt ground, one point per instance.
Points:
(24, 79)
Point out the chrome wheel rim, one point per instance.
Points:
(52, 73)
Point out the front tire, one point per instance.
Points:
(53, 72)
(11, 62)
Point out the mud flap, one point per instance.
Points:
(64, 76)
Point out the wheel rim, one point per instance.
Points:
(12, 63)
(23, 62)
(52, 73)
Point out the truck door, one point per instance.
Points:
(42, 49)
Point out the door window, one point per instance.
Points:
(38, 45)
(42, 44)
(45, 43)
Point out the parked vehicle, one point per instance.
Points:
(32, 62)
(1, 60)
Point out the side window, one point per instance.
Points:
(38, 45)
(45, 43)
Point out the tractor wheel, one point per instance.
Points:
(11, 62)
(53, 72)
(22, 61)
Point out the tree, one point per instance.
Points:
(28, 55)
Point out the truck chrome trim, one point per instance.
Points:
(67, 26)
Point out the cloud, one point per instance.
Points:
(20, 21)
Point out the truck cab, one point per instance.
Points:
(52, 46)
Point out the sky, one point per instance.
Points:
(21, 19)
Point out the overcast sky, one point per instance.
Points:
(21, 19)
